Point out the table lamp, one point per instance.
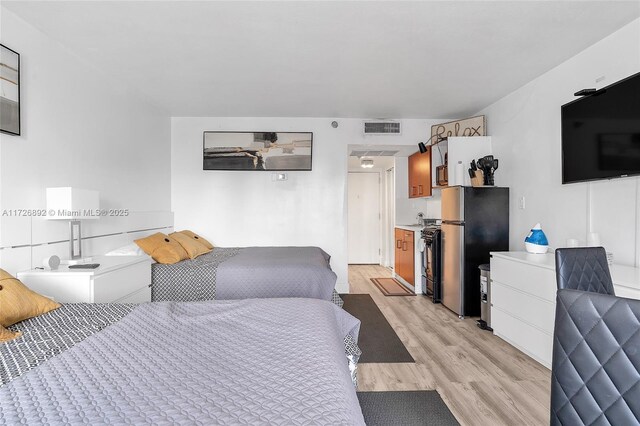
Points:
(74, 205)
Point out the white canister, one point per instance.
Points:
(572, 242)
(51, 262)
(459, 173)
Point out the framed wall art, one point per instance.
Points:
(263, 151)
(9, 91)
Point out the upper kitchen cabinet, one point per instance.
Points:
(420, 174)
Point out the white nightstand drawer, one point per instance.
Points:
(141, 296)
(66, 289)
(120, 283)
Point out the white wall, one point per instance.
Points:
(80, 129)
(235, 208)
(526, 137)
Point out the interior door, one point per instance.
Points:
(364, 218)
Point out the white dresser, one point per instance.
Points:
(120, 279)
(523, 293)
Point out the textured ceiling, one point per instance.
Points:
(325, 59)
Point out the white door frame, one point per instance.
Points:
(389, 213)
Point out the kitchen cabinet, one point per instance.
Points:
(420, 174)
(405, 255)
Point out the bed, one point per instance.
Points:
(242, 273)
(259, 361)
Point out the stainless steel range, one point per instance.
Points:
(432, 263)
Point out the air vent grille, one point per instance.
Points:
(373, 153)
(381, 128)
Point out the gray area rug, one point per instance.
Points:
(412, 408)
(378, 341)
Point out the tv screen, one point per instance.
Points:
(601, 133)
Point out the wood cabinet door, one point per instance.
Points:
(409, 260)
(398, 261)
(424, 174)
(413, 175)
(420, 174)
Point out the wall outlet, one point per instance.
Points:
(279, 177)
(521, 203)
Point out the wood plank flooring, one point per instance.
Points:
(483, 380)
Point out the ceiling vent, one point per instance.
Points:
(373, 153)
(381, 127)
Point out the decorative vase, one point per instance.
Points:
(536, 242)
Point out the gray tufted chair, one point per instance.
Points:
(595, 376)
(585, 269)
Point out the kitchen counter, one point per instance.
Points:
(414, 228)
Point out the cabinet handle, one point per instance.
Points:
(420, 189)
(404, 246)
(398, 243)
(413, 190)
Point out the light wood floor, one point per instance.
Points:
(483, 380)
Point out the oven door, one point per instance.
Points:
(428, 259)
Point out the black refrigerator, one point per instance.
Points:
(475, 222)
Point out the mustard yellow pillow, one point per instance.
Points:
(18, 303)
(162, 248)
(198, 238)
(193, 247)
(6, 335)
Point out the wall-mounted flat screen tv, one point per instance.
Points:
(601, 133)
(270, 151)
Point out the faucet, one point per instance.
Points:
(420, 218)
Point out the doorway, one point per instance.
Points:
(364, 218)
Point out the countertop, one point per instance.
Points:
(414, 228)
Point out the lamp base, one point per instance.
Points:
(76, 261)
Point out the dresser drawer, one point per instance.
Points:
(530, 340)
(534, 280)
(122, 282)
(530, 309)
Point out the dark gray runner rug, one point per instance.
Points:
(413, 408)
(378, 341)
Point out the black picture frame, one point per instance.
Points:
(10, 121)
(219, 157)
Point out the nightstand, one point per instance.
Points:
(118, 279)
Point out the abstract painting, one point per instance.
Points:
(276, 151)
(9, 91)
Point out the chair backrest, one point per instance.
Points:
(595, 376)
(583, 268)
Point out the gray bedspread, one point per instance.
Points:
(277, 361)
(276, 272)
(252, 272)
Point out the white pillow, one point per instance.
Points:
(128, 250)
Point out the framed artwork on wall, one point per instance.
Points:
(9, 91)
(263, 151)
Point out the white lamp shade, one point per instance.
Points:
(68, 203)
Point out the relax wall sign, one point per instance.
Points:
(474, 126)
